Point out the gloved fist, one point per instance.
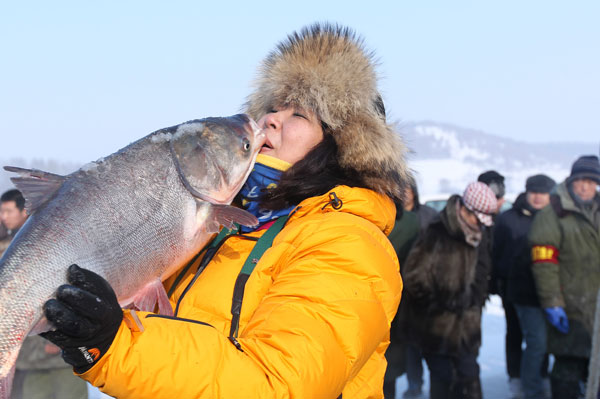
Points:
(86, 315)
(558, 318)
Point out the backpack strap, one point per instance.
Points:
(263, 243)
(208, 254)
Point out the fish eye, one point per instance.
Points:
(246, 144)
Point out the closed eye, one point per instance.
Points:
(300, 115)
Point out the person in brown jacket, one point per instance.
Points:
(445, 289)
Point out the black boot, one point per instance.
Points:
(467, 389)
(389, 389)
(439, 389)
(564, 389)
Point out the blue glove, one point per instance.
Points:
(558, 318)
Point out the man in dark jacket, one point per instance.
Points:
(444, 291)
(513, 337)
(565, 238)
(411, 354)
(402, 237)
(425, 213)
(513, 253)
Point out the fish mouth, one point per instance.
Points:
(259, 137)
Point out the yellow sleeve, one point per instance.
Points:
(328, 309)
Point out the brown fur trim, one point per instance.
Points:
(327, 70)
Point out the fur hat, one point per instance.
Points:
(327, 70)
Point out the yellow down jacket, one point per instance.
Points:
(314, 323)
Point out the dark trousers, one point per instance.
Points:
(534, 362)
(567, 373)
(414, 366)
(513, 340)
(453, 377)
(395, 356)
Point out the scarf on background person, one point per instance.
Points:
(472, 234)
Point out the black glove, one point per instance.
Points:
(86, 315)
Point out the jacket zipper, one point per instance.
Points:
(178, 319)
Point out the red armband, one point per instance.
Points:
(544, 253)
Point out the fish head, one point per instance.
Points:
(214, 156)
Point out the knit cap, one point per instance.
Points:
(481, 200)
(587, 166)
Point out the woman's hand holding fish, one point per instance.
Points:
(86, 315)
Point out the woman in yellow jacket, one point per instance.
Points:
(308, 314)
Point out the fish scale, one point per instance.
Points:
(129, 217)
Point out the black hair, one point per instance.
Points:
(14, 195)
(495, 181)
(315, 174)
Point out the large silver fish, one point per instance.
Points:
(133, 217)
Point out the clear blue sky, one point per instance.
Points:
(79, 80)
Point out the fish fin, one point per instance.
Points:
(41, 326)
(7, 380)
(212, 226)
(152, 294)
(227, 215)
(37, 186)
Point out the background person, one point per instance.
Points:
(411, 354)
(565, 239)
(4, 239)
(411, 203)
(445, 290)
(513, 337)
(402, 237)
(12, 215)
(513, 253)
(312, 319)
(495, 181)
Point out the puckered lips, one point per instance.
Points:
(267, 146)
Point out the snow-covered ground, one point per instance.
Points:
(491, 358)
(494, 380)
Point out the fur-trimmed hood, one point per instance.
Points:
(326, 69)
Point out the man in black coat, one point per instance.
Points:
(512, 250)
(444, 291)
(499, 277)
(413, 358)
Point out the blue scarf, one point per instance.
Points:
(265, 174)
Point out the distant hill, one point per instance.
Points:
(446, 157)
